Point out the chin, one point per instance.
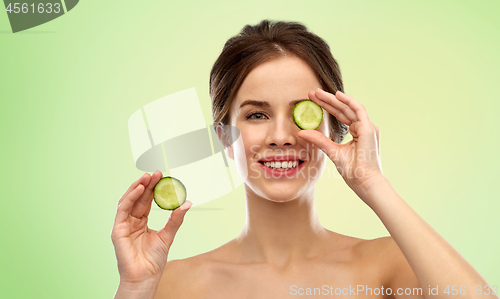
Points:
(278, 195)
(276, 190)
(280, 199)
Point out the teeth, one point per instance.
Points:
(281, 165)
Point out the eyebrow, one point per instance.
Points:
(266, 104)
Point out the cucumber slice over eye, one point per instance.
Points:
(169, 193)
(307, 115)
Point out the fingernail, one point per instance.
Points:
(186, 205)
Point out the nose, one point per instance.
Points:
(282, 133)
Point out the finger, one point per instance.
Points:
(175, 220)
(336, 103)
(353, 130)
(330, 109)
(355, 106)
(144, 180)
(143, 205)
(324, 143)
(377, 131)
(125, 207)
(362, 128)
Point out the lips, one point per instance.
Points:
(280, 158)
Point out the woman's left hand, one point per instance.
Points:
(358, 161)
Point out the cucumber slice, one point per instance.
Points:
(307, 115)
(169, 193)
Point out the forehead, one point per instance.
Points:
(278, 81)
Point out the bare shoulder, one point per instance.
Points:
(383, 251)
(391, 262)
(182, 278)
(189, 277)
(379, 248)
(362, 255)
(362, 250)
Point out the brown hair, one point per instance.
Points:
(260, 43)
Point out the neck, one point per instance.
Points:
(281, 232)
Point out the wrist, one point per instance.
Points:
(373, 189)
(132, 290)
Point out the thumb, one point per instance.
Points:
(174, 221)
(330, 148)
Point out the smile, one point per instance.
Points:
(279, 166)
(282, 165)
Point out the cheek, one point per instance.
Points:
(244, 150)
(249, 151)
(251, 143)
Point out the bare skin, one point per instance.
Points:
(338, 262)
(283, 250)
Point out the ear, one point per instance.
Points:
(223, 137)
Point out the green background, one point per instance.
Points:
(427, 72)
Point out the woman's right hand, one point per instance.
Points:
(141, 253)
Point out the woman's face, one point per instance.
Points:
(262, 112)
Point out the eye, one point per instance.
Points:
(256, 115)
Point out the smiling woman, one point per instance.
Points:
(274, 87)
(283, 250)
